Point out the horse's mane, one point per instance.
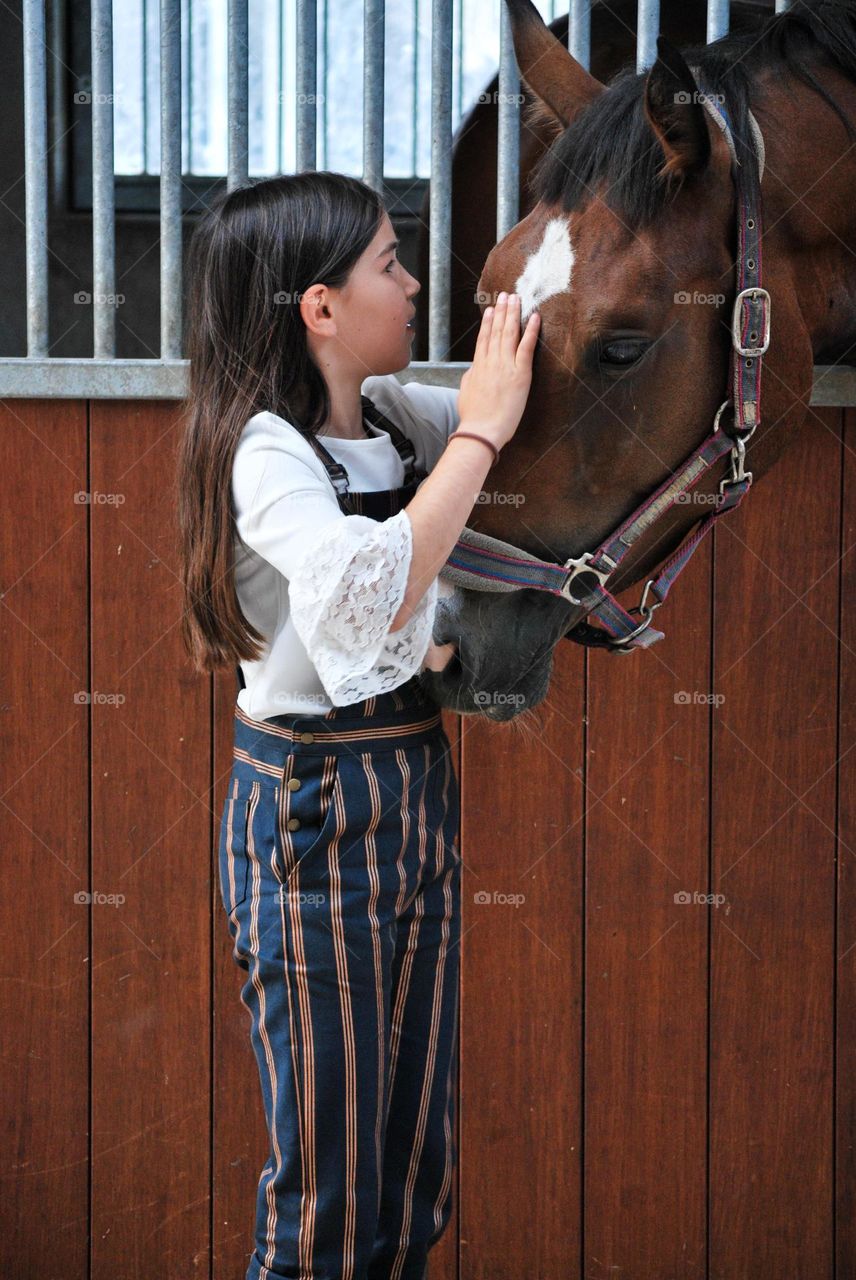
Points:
(610, 142)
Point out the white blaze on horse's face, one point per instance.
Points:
(548, 269)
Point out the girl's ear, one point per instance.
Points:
(315, 312)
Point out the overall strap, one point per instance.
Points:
(337, 472)
(404, 446)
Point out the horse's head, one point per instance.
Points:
(629, 256)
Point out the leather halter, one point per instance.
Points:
(488, 564)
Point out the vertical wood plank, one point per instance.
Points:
(240, 1133)
(646, 944)
(844, 988)
(443, 1260)
(44, 766)
(521, 913)
(771, 1103)
(152, 820)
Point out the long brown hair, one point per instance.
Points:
(253, 254)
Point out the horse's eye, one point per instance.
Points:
(622, 353)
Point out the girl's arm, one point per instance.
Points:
(493, 395)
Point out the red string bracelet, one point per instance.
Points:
(472, 436)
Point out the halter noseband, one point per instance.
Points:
(483, 563)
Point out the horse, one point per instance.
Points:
(474, 154)
(629, 254)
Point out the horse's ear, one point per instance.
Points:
(562, 84)
(674, 112)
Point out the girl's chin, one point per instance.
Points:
(391, 366)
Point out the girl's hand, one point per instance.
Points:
(494, 390)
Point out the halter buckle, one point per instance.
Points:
(753, 292)
(582, 564)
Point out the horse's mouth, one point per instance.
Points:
(453, 688)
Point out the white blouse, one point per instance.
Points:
(323, 587)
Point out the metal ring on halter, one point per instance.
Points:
(582, 564)
(724, 405)
(620, 642)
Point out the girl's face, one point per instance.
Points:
(373, 309)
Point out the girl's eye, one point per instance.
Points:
(390, 264)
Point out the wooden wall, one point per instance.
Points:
(650, 1087)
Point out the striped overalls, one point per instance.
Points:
(339, 873)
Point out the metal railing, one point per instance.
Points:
(106, 376)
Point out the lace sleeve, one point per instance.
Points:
(343, 598)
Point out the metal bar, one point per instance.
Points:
(307, 53)
(238, 78)
(325, 63)
(170, 179)
(36, 176)
(57, 39)
(188, 80)
(458, 63)
(508, 131)
(717, 19)
(144, 77)
(280, 132)
(103, 197)
(415, 73)
(647, 27)
(107, 379)
(440, 227)
(373, 92)
(579, 31)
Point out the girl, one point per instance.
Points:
(314, 567)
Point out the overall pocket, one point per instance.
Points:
(306, 812)
(232, 861)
